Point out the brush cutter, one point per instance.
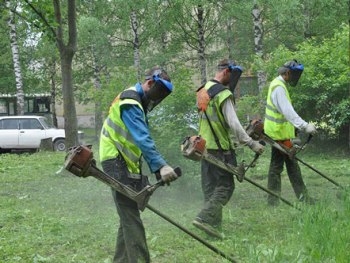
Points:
(256, 131)
(193, 148)
(79, 161)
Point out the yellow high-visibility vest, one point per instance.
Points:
(115, 137)
(276, 125)
(216, 119)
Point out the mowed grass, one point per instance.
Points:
(47, 216)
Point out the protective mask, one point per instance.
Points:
(294, 77)
(236, 72)
(158, 92)
(295, 72)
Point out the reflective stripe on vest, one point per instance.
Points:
(275, 125)
(115, 137)
(217, 120)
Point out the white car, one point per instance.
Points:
(26, 132)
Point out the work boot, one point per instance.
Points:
(210, 230)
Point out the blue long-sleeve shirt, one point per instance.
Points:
(133, 118)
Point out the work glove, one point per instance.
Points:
(310, 129)
(167, 174)
(296, 141)
(257, 147)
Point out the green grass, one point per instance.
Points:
(49, 217)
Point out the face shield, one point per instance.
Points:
(236, 72)
(295, 72)
(160, 89)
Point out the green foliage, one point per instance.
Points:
(326, 83)
(176, 117)
(181, 102)
(250, 107)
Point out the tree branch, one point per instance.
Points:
(42, 17)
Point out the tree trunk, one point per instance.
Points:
(201, 44)
(70, 115)
(66, 55)
(16, 61)
(307, 21)
(258, 43)
(136, 44)
(98, 112)
(53, 93)
(230, 38)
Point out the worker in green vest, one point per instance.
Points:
(125, 139)
(280, 123)
(218, 120)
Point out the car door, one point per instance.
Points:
(9, 133)
(30, 133)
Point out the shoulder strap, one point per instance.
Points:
(214, 134)
(215, 89)
(205, 95)
(130, 94)
(212, 92)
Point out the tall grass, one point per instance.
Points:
(324, 230)
(57, 217)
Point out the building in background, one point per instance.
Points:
(40, 104)
(34, 104)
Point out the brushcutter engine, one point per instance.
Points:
(255, 129)
(79, 161)
(193, 147)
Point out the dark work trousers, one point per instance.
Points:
(131, 246)
(278, 159)
(217, 186)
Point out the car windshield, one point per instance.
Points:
(45, 123)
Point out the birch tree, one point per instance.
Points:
(197, 26)
(201, 43)
(131, 33)
(16, 58)
(258, 43)
(136, 42)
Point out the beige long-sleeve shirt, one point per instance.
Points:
(233, 122)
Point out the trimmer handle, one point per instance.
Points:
(309, 138)
(177, 170)
(256, 157)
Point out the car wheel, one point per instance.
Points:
(59, 145)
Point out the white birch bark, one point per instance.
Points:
(201, 44)
(16, 60)
(258, 43)
(136, 44)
